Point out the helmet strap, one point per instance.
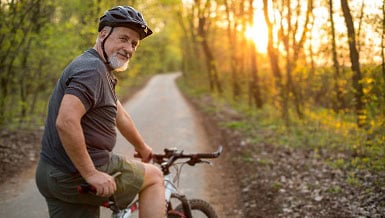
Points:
(104, 51)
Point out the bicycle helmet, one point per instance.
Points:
(125, 16)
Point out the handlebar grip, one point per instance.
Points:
(137, 155)
(86, 188)
(211, 155)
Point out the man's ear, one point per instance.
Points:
(102, 34)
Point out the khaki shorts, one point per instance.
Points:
(63, 200)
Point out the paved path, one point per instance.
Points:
(165, 120)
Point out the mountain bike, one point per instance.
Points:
(171, 163)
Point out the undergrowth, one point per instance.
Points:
(321, 129)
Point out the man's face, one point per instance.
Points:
(120, 46)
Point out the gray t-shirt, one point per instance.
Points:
(88, 78)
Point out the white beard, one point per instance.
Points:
(117, 64)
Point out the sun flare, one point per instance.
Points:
(258, 33)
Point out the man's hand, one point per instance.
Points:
(145, 153)
(104, 184)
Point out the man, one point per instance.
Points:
(80, 130)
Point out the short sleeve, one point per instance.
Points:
(85, 85)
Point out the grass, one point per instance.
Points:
(335, 190)
(353, 180)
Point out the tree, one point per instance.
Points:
(383, 51)
(355, 66)
(203, 28)
(338, 100)
(25, 21)
(293, 38)
(274, 60)
(254, 86)
(232, 25)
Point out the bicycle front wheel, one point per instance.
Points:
(199, 209)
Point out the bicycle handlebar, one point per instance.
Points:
(178, 154)
(172, 154)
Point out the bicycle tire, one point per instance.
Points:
(204, 210)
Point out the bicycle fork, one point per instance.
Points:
(171, 191)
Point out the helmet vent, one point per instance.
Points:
(119, 17)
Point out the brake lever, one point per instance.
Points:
(192, 162)
(207, 162)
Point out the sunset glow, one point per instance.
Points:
(258, 33)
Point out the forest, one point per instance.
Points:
(311, 73)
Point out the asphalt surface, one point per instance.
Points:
(164, 119)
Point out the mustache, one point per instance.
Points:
(124, 53)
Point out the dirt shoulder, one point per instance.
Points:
(19, 150)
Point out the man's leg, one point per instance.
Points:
(61, 209)
(151, 197)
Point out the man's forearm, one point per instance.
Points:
(127, 128)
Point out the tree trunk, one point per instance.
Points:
(310, 78)
(354, 58)
(214, 82)
(338, 101)
(23, 84)
(382, 47)
(273, 56)
(255, 90)
(231, 31)
(362, 14)
(254, 87)
(289, 30)
(203, 29)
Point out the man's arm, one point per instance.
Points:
(127, 127)
(71, 135)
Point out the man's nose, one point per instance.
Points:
(126, 51)
(129, 49)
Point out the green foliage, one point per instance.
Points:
(334, 190)
(236, 125)
(23, 57)
(266, 162)
(353, 180)
(276, 186)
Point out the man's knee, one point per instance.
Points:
(152, 175)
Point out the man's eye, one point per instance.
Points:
(123, 39)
